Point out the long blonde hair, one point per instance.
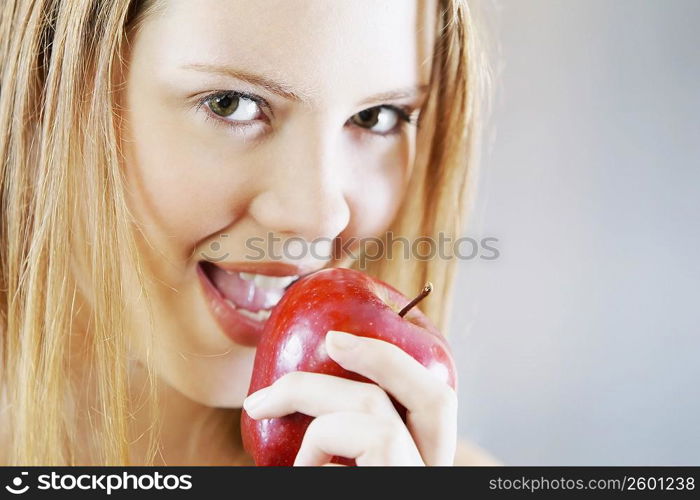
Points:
(63, 208)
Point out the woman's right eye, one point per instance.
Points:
(234, 107)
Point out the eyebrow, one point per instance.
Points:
(257, 80)
(285, 91)
(396, 95)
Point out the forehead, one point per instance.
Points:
(319, 48)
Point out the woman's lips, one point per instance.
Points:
(242, 301)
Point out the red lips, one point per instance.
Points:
(241, 296)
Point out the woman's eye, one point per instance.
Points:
(234, 107)
(379, 119)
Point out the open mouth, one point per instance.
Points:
(241, 301)
(252, 295)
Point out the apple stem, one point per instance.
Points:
(423, 294)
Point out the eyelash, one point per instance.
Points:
(218, 120)
(407, 115)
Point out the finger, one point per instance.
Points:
(430, 401)
(317, 394)
(369, 439)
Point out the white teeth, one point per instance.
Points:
(273, 282)
(261, 315)
(268, 282)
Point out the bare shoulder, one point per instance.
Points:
(469, 453)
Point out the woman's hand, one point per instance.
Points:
(357, 420)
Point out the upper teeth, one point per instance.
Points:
(268, 282)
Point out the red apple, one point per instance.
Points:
(294, 340)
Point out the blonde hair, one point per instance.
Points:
(437, 197)
(63, 208)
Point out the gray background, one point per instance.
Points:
(580, 344)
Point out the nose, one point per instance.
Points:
(303, 191)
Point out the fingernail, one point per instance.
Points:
(254, 400)
(341, 340)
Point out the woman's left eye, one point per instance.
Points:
(234, 107)
(379, 119)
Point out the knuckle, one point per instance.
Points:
(389, 434)
(372, 351)
(313, 428)
(318, 429)
(445, 401)
(374, 399)
(362, 354)
(322, 428)
(449, 399)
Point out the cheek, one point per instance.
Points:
(184, 184)
(379, 184)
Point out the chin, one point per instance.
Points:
(216, 381)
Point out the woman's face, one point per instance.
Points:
(249, 125)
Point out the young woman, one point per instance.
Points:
(145, 143)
